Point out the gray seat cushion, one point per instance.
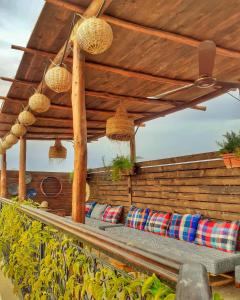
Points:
(216, 261)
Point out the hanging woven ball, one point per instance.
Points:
(39, 103)
(26, 118)
(2, 150)
(11, 139)
(6, 145)
(58, 79)
(94, 35)
(18, 130)
(120, 127)
(57, 151)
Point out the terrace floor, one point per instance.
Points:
(228, 292)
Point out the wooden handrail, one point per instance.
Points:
(142, 260)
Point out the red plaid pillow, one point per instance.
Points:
(112, 214)
(157, 222)
(219, 235)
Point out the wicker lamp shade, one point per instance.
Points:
(6, 145)
(11, 139)
(26, 118)
(18, 130)
(57, 151)
(120, 127)
(58, 79)
(2, 150)
(94, 35)
(39, 103)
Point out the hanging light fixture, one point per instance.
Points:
(120, 127)
(57, 151)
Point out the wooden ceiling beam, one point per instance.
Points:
(68, 109)
(110, 97)
(54, 119)
(114, 70)
(186, 105)
(159, 33)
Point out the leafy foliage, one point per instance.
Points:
(119, 166)
(46, 264)
(231, 143)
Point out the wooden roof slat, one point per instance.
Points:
(106, 68)
(174, 37)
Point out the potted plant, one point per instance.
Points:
(230, 149)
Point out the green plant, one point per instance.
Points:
(230, 143)
(62, 270)
(120, 165)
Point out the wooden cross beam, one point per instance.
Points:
(159, 33)
(113, 97)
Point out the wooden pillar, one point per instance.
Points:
(133, 149)
(80, 135)
(22, 169)
(4, 175)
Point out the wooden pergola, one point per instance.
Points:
(154, 50)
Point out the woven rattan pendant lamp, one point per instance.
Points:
(57, 151)
(120, 127)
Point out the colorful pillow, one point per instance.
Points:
(238, 241)
(157, 222)
(188, 227)
(220, 235)
(137, 217)
(88, 208)
(98, 211)
(173, 230)
(112, 214)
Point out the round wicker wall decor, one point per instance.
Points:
(51, 186)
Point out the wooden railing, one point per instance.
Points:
(141, 260)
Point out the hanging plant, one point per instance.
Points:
(26, 118)
(11, 139)
(94, 35)
(57, 151)
(18, 130)
(120, 166)
(120, 127)
(39, 103)
(58, 79)
(230, 149)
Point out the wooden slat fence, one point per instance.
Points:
(198, 183)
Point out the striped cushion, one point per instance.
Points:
(137, 217)
(112, 214)
(89, 207)
(173, 230)
(188, 227)
(157, 222)
(219, 235)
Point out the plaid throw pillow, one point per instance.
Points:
(188, 227)
(219, 235)
(238, 240)
(157, 222)
(112, 214)
(173, 230)
(137, 217)
(88, 208)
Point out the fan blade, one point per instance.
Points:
(206, 56)
(172, 91)
(228, 85)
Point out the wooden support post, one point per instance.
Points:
(22, 169)
(80, 135)
(4, 176)
(133, 149)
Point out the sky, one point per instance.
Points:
(185, 132)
